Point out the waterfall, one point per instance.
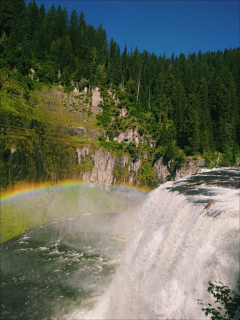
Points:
(177, 245)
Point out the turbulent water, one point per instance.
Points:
(152, 266)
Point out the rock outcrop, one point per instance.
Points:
(108, 169)
(128, 136)
(190, 167)
(96, 99)
(123, 112)
(163, 170)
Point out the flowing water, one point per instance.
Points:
(152, 264)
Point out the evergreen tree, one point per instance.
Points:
(73, 30)
(179, 102)
(61, 22)
(49, 27)
(6, 16)
(32, 20)
(101, 45)
(192, 125)
(206, 121)
(191, 103)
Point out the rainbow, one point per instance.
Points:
(29, 189)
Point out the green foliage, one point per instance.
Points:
(183, 103)
(78, 140)
(104, 118)
(68, 89)
(161, 150)
(173, 152)
(227, 303)
(211, 159)
(147, 176)
(180, 158)
(101, 75)
(85, 166)
(102, 138)
(122, 95)
(132, 149)
(7, 104)
(111, 145)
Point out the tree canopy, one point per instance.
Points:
(192, 102)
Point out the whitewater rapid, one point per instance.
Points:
(178, 243)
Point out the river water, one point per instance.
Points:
(152, 261)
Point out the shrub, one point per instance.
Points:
(180, 158)
(147, 176)
(228, 300)
(112, 145)
(122, 96)
(68, 89)
(78, 140)
(131, 148)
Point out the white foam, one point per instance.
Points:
(176, 247)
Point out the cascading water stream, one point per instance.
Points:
(150, 261)
(186, 234)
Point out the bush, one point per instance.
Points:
(161, 150)
(122, 96)
(227, 299)
(111, 145)
(68, 89)
(104, 118)
(210, 159)
(147, 176)
(180, 158)
(131, 148)
(102, 138)
(78, 140)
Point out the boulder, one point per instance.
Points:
(200, 162)
(79, 131)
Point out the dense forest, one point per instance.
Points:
(188, 105)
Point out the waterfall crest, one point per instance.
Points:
(177, 245)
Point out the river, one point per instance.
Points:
(152, 261)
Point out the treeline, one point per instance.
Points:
(191, 103)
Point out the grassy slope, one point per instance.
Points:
(18, 107)
(58, 203)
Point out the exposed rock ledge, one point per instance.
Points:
(109, 169)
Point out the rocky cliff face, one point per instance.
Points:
(108, 168)
(60, 149)
(163, 169)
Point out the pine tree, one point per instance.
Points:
(73, 30)
(206, 121)
(101, 45)
(6, 16)
(49, 27)
(192, 124)
(61, 22)
(179, 102)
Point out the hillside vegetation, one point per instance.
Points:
(179, 107)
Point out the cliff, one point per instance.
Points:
(110, 168)
(56, 136)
